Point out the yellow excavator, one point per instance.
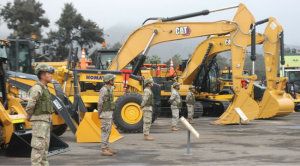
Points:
(15, 130)
(167, 29)
(275, 102)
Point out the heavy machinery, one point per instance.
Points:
(66, 113)
(162, 30)
(167, 29)
(15, 133)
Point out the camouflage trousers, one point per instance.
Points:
(40, 142)
(190, 109)
(175, 116)
(106, 124)
(147, 121)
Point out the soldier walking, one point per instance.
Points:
(190, 102)
(146, 106)
(176, 104)
(106, 107)
(39, 110)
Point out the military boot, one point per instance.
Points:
(174, 128)
(111, 151)
(191, 121)
(148, 138)
(105, 152)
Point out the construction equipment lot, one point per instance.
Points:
(262, 142)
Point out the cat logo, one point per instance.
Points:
(184, 31)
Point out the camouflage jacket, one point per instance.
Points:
(146, 96)
(35, 93)
(189, 96)
(104, 96)
(175, 98)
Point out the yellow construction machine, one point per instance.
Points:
(15, 133)
(167, 29)
(85, 125)
(275, 102)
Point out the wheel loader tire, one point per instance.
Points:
(59, 130)
(127, 115)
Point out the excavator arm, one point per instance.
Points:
(217, 45)
(139, 42)
(275, 101)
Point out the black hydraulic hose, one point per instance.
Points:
(195, 82)
(253, 43)
(153, 18)
(203, 12)
(261, 21)
(282, 48)
(204, 81)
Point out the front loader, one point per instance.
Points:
(66, 114)
(15, 130)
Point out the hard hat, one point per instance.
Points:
(109, 77)
(191, 87)
(176, 84)
(43, 67)
(146, 81)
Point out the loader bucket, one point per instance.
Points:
(275, 105)
(245, 103)
(89, 129)
(19, 145)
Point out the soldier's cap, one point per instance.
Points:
(146, 81)
(176, 84)
(43, 67)
(109, 77)
(191, 87)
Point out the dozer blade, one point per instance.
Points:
(245, 103)
(89, 129)
(19, 145)
(275, 105)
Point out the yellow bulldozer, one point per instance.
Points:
(15, 130)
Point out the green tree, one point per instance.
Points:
(176, 60)
(223, 62)
(73, 27)
(116, 46)
(153, 59)
(25, 18)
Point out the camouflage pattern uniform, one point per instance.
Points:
(190, 96)
(147, 110)
(175, 99)
(41, 125)
(106, 116)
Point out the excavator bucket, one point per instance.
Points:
(89, 129)
(275, 105)
(19, 145)
(248, 106)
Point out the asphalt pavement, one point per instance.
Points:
(262, 142)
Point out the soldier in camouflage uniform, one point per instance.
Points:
(190, 101)
(39, 110)
(176, 104)
(106, 107)
(146, 106)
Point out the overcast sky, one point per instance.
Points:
(107, 13)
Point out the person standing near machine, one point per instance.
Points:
(147, 107)
(106, 107)
(39, 110)
(190, 102)
(176, 104)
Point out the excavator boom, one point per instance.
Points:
(148, 35)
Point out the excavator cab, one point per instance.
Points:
(15, 133)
